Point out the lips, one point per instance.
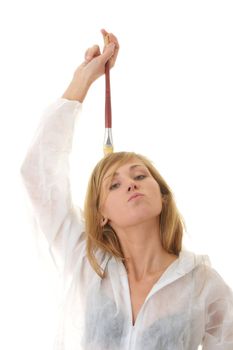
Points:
(135, 195)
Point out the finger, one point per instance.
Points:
(108, 52)
(113, 39)
(104, 32)
(92, 52)
(105, 37)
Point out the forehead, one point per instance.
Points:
(129, 165)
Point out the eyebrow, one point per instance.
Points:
(130, 168)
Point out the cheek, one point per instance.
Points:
(155, 195)
(114, 205)
(113, 201)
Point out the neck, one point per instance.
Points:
(142, 248)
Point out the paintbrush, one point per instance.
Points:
(108, 141)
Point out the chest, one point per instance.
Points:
(138, 294)
(166, 317)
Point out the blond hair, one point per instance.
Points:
(171, 222)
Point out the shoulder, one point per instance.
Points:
(206, 278)
(211, 283)
(217, 285)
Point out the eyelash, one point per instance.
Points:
(111, 187)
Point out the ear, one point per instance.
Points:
(104, 221)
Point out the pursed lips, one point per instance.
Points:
(135, 195)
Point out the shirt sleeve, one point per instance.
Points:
(219, 316)
(45, 174)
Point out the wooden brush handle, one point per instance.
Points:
(108, 109)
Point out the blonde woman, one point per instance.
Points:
(128, 283)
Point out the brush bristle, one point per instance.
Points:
(108, 149)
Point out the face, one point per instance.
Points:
(132, 178)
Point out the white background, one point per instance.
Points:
(171, 101)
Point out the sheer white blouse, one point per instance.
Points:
(189, 306)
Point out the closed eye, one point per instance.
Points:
(140, 176)
(114, 186)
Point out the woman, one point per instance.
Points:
(128, 282)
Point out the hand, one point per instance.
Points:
(94, 65)
(92, 68)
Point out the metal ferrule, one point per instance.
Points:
(108, 137)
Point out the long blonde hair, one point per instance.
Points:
(172, 223)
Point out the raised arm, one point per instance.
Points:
(45, 169)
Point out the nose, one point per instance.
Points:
(132, 186)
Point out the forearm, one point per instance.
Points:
(77, 89)
(45, 170)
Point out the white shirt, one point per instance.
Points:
(190, 305)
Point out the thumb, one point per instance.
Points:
(108, 52)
